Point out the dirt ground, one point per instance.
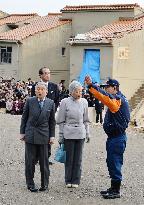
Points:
(94, 176)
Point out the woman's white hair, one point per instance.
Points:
(74, 85)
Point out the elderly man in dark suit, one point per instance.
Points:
(38, 130)
(53, 93)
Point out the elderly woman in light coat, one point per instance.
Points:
(73, 129)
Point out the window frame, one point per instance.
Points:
(5, 55)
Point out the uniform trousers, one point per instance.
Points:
(115, 147)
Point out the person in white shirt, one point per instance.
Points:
(9, 105)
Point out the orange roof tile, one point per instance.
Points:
(109, 32)
(37, 25)
(99, 7)
(15, 18)
(117, 29)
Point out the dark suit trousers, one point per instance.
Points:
(99, 117)
(32, 151)
(73, 166)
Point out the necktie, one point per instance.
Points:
(41, 102)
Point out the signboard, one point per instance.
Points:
(123, 53)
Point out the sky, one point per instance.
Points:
(43, 7)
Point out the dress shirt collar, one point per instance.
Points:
(45, 82)
(41, 99)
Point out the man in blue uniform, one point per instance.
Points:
(115, 123)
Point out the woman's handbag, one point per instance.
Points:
(60, 155)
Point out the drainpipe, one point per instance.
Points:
(18, 69)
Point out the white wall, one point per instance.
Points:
(130, 71)
(44, 49)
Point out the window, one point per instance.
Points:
(5, 54)
(12, 26)
(63, 51)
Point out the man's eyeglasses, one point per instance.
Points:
(46, 73)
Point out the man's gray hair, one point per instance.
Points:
(41, 84)
(74, 85)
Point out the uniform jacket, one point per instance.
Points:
(38, 124)
(73, 118)
(53, 93)
(117, 116)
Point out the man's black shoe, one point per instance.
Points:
(105, 192)
(111, 195)
(43, 188)
(33, 188)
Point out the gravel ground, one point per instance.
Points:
(94, 177)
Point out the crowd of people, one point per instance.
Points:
(13, 96)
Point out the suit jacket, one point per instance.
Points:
(38, 125)
(53, 93)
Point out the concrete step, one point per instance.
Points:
(137, 97)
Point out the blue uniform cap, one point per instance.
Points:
(112, 82)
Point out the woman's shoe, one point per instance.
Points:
(74, 185)
(68, 185)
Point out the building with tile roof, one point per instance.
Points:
(88, 17)
(40, 41)
(107, 33)
(16, 18)
(62, 41)
(120, 48)
(110, 7)
(39, 24)
(13, 21)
